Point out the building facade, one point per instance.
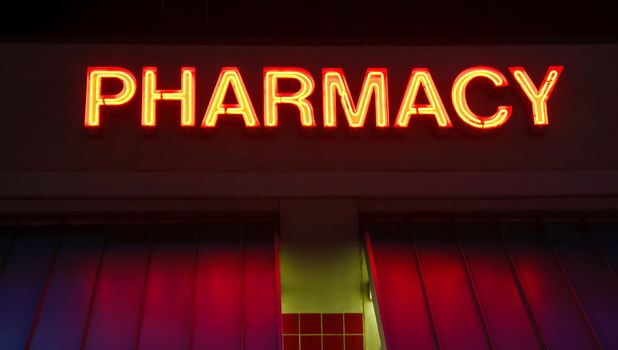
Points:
(168, 196)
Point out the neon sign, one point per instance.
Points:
(335, 91)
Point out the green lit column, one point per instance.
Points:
(321, 261)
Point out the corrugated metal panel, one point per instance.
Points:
(25, 272)
(147, 287)
(496, 285)
(116, 307)
(64, 311)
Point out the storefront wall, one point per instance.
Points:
(319, 186)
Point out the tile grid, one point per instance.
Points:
(349, 332)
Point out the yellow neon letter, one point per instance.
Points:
(150, 96)
(375, 84)
(272, 96)
(461, 104)
(538, 98)
(421, 77)
(94, 99)
(230, 76)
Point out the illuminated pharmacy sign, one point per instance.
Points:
(334, 91)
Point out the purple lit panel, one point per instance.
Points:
(552, 299)
(591, 277)
(22, 280)
(63, 316)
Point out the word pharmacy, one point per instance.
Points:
(335, 90)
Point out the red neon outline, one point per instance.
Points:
(94, 99)
(230, 76)
(458, 95)
(356, 114)
(422, 77)
(150, 96)
(540, 116)
(272, 97)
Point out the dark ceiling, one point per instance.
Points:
(311, 21)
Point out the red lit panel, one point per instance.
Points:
(511, 284)
(167, 297)
(451, 299)
(403, 307)
(217, 291)
(508, 320)
(261, 310)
